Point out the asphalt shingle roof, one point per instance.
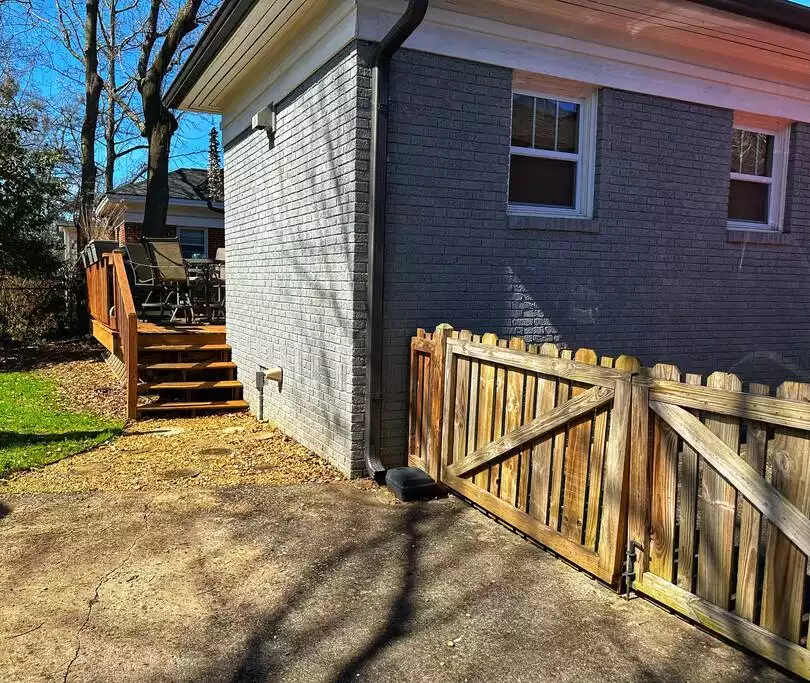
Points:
(184, 183)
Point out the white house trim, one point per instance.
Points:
(133, 199)
(308, 54)
(482, 40)
(456, 34)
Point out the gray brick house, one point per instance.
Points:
(555, 170)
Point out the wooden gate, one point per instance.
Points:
(720, 496)
(710, 483)
(535, 436)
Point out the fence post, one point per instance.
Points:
(639, 507)
(440, 337)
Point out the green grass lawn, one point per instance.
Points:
(35, 431)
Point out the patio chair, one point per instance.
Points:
(172, 273)
(143, 277)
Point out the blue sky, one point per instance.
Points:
(44, 66)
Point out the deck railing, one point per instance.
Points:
(114, 319)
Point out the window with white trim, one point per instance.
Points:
(552, 155)
(759, 166)
(193, 242)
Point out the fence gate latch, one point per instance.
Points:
(630, 565)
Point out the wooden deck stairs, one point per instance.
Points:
(165, 369)
(186, 369)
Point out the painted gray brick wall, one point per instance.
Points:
(296, 225)
(655, 275)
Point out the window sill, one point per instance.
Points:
(583, 224)
(748, 236)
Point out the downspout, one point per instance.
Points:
(380, 78)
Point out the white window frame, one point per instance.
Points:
(585, 158)
(202, 230)
(777, 179)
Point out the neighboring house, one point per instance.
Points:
(68, 241)
(628, 176)
(196, 222)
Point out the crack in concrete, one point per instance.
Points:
(100, 585)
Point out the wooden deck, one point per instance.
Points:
(182, 368)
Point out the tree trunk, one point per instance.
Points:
(92, 91)
(159, 132)
(159, 123)
(109, 126)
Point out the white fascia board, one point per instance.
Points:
(132, 200)
(179, 219)
(482, 40)
(306, 56)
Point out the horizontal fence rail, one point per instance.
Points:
(583, 453)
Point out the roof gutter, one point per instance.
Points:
(380, 80)
(780, 12)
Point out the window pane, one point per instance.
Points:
(548, 182)
(545, 125)
(568, 127)
(522, 118)
(192, 243)
(752, 153)
(748, 201)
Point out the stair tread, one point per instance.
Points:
(201, 385)
(191, 365)
(232, 404)
(185, 347)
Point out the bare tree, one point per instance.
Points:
(122, 136)
(92, 94)
(159, 123)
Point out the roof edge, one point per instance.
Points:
(226, 20)
(780, 12)
(232, 13)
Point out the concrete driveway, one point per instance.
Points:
(315, 583)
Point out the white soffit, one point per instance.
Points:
(669, 48)
(464, 36)
(312, 48)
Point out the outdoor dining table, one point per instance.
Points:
(203, 270)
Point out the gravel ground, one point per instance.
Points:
(220, 450)
(215, 450)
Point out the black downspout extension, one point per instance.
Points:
(380, 78)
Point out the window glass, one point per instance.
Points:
(749, 201)
(545, 124)
(568, 127)
(752, 153)
(522, 120)
(536, 180)
(192, 242)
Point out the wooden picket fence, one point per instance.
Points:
(710, 484)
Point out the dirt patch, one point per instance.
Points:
(170, 454)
